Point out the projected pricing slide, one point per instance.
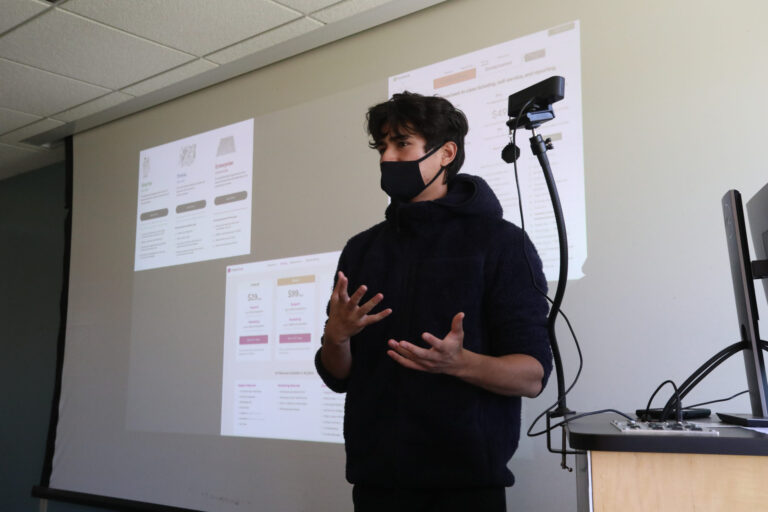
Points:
(194, 200)
(274, 317)
(479, 83)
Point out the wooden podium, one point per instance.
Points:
(630, 472)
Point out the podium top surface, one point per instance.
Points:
(596, 433)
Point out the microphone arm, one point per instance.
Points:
(539, 147)
(532, 107)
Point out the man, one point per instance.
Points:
(444, 329)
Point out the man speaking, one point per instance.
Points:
(435, 326)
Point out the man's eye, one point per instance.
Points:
(403, 143)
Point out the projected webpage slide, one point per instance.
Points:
(274, 316)
(479, 83)
(194, 200)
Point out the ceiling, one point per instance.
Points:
(69, 65)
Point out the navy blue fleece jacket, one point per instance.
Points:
(431, 260)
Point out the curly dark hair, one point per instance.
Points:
(431, 117)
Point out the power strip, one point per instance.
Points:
(664, 428)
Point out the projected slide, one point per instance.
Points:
(479, 83)
(274, 317)
(194, 200)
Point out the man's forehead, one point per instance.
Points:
(398, 133)
(397, 136)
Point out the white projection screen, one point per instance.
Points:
(205, 237)
(205, 232)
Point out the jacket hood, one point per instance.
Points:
(467, 195)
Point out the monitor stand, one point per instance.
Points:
(743, 420)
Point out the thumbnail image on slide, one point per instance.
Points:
(275, 312)
(479, 84)
(194, 200)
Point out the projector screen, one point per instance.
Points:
(190, 382)
(205, 238)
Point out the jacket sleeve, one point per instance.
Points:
(334, 384)
(517, 304)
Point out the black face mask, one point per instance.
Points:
(402, 180)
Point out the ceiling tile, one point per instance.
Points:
(70, 45)
(15, 158)
(265, 40)
(12, 119)
(97, 105)
(308, 6)
(170, 77)
(38, 92)
(31, 129)
(346, 9)
(18, 11)
(198, 27)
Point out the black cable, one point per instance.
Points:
(670, 406)
(713, 361)
(582, 415)
(677, 395)
(517, 179)
(698, 378)
(719, 399)
(707, 368)
(727, 352)
(701, 372)
(573, 383)
(603, 411)
(523, 110)
(578, 349)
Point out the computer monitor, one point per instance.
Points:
(757, 212)
(744, 293)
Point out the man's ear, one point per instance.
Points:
(448, 152)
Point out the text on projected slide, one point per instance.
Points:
(194, 201)
(275, 313)
(479, 84)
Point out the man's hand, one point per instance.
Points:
(445, 355)
(346, 317)
(509, 375)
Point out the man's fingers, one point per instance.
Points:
(368, 306)
(372, 319)
(404, 361)
(355, 298)
(457, 324)
(341, 287)
(433, 340)
(410, 350)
